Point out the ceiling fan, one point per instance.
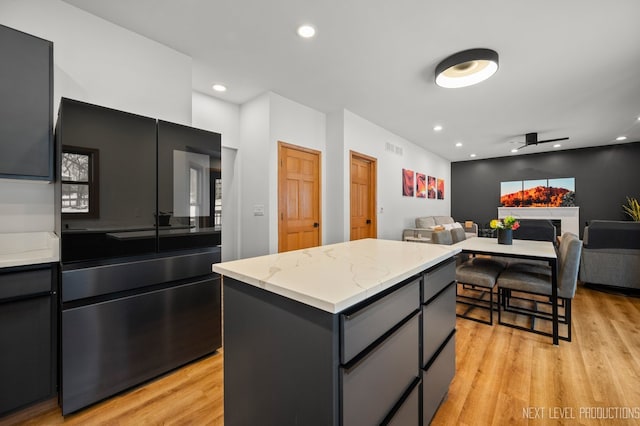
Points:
(532, 139)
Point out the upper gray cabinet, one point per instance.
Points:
(26, 102)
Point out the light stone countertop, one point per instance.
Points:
(28, 248)
(337, 276)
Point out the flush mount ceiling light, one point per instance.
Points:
(437, 128)
(467, 68)
(306, 31)
(459, 144)
(219, 88)
(621, 138)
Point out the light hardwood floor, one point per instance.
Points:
(504, 377)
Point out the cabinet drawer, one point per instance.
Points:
(105, 346)
(436, 380)
(372, 387)
(26, 364)
(439, 320)
(437, 279)
(24, 283)
(362, 327)
(409, 413)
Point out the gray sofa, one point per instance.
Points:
(425, 224)
(611, 254)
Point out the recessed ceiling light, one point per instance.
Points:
(219, 87)
(514, 150)
(621, 138)
(557, 145)
(437, 128)
(466, 68)
(306, 31)
(472, 155)
(459, 144)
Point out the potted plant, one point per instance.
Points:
(505, 229)
(632, 208)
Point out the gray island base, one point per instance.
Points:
(304, 347)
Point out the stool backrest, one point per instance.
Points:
(569, 261)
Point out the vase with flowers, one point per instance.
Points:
(505, 229)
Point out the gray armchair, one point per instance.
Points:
(611, 254)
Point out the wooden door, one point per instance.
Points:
(363, 197)
(298, 198)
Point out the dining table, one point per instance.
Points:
(521, 249)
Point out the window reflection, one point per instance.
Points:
(79, 189)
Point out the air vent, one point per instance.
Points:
(396, 149)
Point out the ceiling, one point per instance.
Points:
(567, 68)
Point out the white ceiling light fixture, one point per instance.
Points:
(514, 150)
(306, 31)
(557, 145)
(621, 138)
(459, 144)
(219, 87)
(472, 155)
(437, 128)
(466, 68)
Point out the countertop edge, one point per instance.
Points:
(336, 307)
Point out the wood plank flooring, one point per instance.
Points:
(504, 377)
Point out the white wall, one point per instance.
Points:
(254, 176)
(26, 206)
(97, 62)
(216, 115)
(334, 220)
(271, 118)
(295, 124)
(395, 212)
(265, 121)
(224, 117)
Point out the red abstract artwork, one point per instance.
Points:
(407, 183)
(431, 187)
(421, 185)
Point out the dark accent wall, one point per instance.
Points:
(605, 176)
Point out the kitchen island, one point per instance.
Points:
(361, 332)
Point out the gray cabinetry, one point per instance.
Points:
(378, 376)
(26, 148)
(288, 363)
(27, 336)
(438, 336)
(363, 326)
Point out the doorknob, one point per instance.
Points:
(368, 221)
(316, 224)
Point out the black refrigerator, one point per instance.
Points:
(140, 210)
